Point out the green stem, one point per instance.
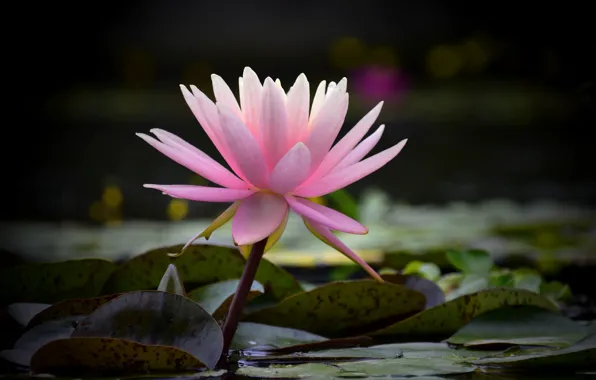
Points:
(239, 300)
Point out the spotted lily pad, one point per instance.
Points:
(445, 319)
(342, 308)
(200, 264)
(93, 354)
(53, 282)
(256, 335)
(69, 308)
(157, 318)
(526, 325)
(217, 298)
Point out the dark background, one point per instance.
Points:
(496, 98)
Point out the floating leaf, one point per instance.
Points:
(71, 307)
(23, 312)
(157, 318)
(171, 282)
(471, 261)
(528, 279)
(525, 325)
(342, 307)
(35, 338)
(217, 298)
(433, 294)
(469, 284)
(555, 290)
(253, 335)
(52, 282)
(91, 354)
(200, 264)
(580, 356)
(429, 271)
(443, 320)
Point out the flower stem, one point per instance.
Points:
(239, 300)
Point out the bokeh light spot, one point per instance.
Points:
(444, 61)
(112, 196)
(177, 209)
(347, 52)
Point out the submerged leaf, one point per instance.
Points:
(92, 354)
(445, 319)
(341, 308)
(257, 335)
(157, 318)
(216, 298)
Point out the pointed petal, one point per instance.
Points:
(323, 233)
(318, 101)
(202, 193)
(297, 109)
(361, 150)
(346, 176)
(245, 149)
(250, 99)
(257, 218)
(326, 216)
(326, 125)
(222, 219)
(291, 170)
(273, 123)
(347, 143)
(224, 95)
(201, 164)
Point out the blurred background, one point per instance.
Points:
(496, 99)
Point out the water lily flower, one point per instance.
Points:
(281, 153)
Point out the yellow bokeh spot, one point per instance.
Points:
(347, 52)
(112, 196)
(383, 56)
(177, 209)
(476, 56)
(444, 61)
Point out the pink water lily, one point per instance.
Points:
(281, 152)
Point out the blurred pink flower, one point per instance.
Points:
(281, 155)
(379, 82)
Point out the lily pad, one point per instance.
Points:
(53, 282)
(200, 264)
(157, 318)
(526, 325)
(71, 307)
(217, 298)
(445, 319)
(471, 261)
(580, 356)
(257, 335)
(23, 312)
(93, 354)
(341, 308)
(35, 338)
(433, 293)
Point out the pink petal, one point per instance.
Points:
(328, 238)
(291, 170)
(347, 143)
(326, 125)
(258, 217)
(199, 163)
(318, 101)
(225, 96)
(202, 193)
(326, 216)
(344, 177)
(273, 123)
(361, 150)
(250, 99)
(244, 148)
(297, 109)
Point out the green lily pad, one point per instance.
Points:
(525, 325)
(430, 271)
(33, 339)
(217, 298)
(68, 308)
(53, 282)
(341, 308)
(157, 318)
(433, 293)
(469, 284)
(93, 354)
(445, 319)
(200, 264)
(579, 356)
(23, 312)
(471, 261)
(257, 335)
